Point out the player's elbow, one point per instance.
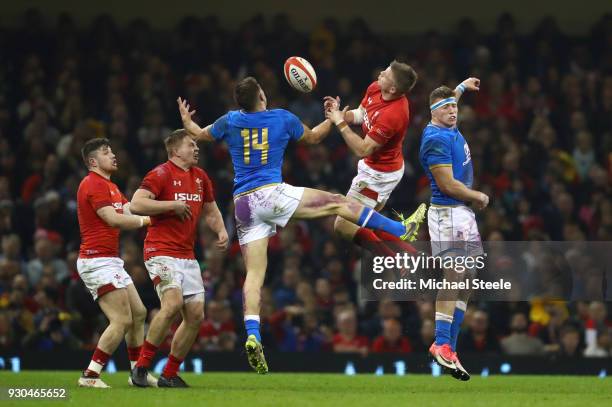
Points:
(136, 206)
(364, 151)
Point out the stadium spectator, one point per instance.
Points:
(569, 341)
(218, 328)
(601, 348)
(597, 327)
(518, 342)
(347, 339)
(391, 339)
(478, 337)
(46, 247)
(286, 294)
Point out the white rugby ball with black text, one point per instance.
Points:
(300, 74)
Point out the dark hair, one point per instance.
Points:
(442, 92)
(246, 93)
(404, 75)
(91, 146)
(174, 140)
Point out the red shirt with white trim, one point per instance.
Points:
(385, 122)
(98, 239)
(168, 235)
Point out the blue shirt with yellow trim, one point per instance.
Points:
(442, 146)
(257, 142)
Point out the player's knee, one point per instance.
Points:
(122, 321)
(139, 314)
(195, 319)
(171, 306)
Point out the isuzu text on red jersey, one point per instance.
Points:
(168, 235)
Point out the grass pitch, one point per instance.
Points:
(292, 389)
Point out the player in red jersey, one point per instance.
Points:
(102, 211)
(384, 116)
(175, 194)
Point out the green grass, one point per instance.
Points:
(287, 389)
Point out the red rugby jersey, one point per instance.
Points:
(168, 235)
(386, 123)
(98, 239)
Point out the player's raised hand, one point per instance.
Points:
(330, 103)
(182, 210)
(472, 84)
(188, 123)
(184, 109)
(222, 240)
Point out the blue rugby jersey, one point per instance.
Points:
(257, 142)
(442, 146)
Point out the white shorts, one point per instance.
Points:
(259, 212)
(102, 275)
(169, 272)
(453, 231)
(371, 187)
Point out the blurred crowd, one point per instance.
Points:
(540, 132)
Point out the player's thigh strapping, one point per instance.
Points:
(453, 231)
(258, 212)
(169, 272)
(103, 274)
(372, 187)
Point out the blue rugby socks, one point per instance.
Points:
(251, 325)
(443, 328)
(460, 308)
(373, 220)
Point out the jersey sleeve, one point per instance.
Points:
(154, 181)
(209, 192)
(294, 125)
(219, 128)
(436, 152)
(98, 195)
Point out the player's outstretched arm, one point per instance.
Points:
(447, 183)
(144, 203)
(214, 221)
(361, 147)
(122, 221)
(317, 133)
(472, 84)
(195, 131)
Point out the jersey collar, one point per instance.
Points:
(179, 168)
(454, 128)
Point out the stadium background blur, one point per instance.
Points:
(540, 131)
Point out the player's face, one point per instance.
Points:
(447, 114)
(188, 151)
(386, 81)
(105, 159)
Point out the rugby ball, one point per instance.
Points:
(300, 74)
